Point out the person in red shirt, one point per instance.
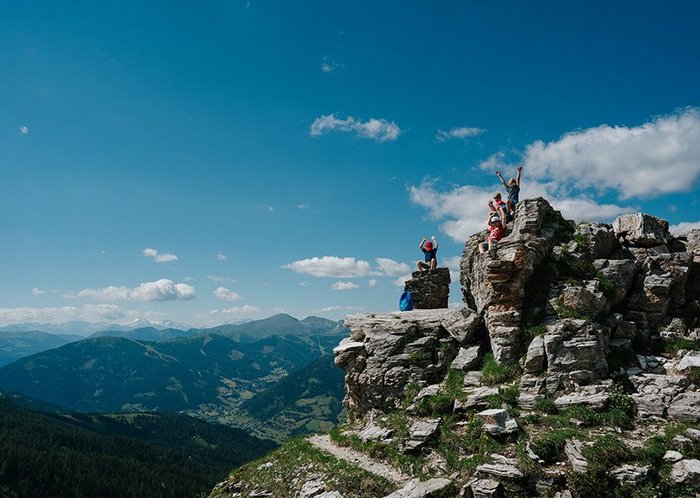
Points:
(497, 228)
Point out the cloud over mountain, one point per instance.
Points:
(160, 290)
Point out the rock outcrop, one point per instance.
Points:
(576, 344)
(429, 289)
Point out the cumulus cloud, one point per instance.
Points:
(36, 291)
(380, 130)
(401, 281)
(23, 130)
(237, 310)
(328, 66)
(221, 256)
(390, 267)
(158, 257)
(372, 282)
(220, 279)
(160, 290)
(658, 157)
(330, 266)
(464, 209)
(226, 294)
(684, 227)
(328, 309)
(343, 286)
(462, 133)
(88, 312)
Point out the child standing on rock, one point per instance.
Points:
(513, 190)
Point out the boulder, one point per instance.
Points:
(686, 472)
(429, 289)
(575, 354)
(432, 488)
(397, 349)
(482, 488)
(685, 406)
(641, 230)
(654, 393)
(572, 449)
(619, 276)
(467, 358)
(501, 468)
(594, 396)
(630, 475)
(462, 325)
(476, 398)
(535, 358)
(584, 298)
(420, 433)
(494, 284)
(498, 421)
(597, 238)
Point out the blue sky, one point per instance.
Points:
(203, 162)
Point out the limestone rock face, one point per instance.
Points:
(429, 289)
(388, 351)
(641, 230)
(494, 283)
(575, 352)
(599, 237)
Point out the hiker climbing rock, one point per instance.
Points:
(497, 228)
(497, 206)
(429, 248)
(512, 189)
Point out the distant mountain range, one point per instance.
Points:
(208, 373)
(18, 344)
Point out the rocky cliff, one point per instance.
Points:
(572, 370)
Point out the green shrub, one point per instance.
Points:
(694, 375)
(493, 373)
(546, 405)
(536, 330)
(564, 311)
(549, 446)
(508, 395)
(673, 346)
(454, 383)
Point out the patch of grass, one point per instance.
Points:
(546, 405)
(466, 447)
(410, 393)
(564, 311)
(549, 446)
(440, 404)
(454, 383)
(673, 346)
(694, 375)
(493, 373)
(607, 286)
(536, 330)
(508, 395)
(606, 452)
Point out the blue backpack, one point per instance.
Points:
(405, 303)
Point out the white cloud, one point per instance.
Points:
(237, 310)
(330, 266)
(226, 294)
(89, 312)
(372, 282)
(36, 291)
(302, 207)
(158, 257)
(380, 130)
(462, 133)
(23, 130)
(390, 267)
(160, 290)
(338, 308)
(219, 279)
(343, 286)
(221, 256)
(401, 281)
(658, 157)
(465, 208)
(328, 66)
(684, 227)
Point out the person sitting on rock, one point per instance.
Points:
(497, 206)
(429, 248)
(513, 190)
(497, 228)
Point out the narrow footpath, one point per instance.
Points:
(323, 442)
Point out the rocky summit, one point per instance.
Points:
(573, 370)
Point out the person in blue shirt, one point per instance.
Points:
(429, 248)
(513, 190)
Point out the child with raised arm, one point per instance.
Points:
(513, 190)
(429, 248)
(497, 228)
